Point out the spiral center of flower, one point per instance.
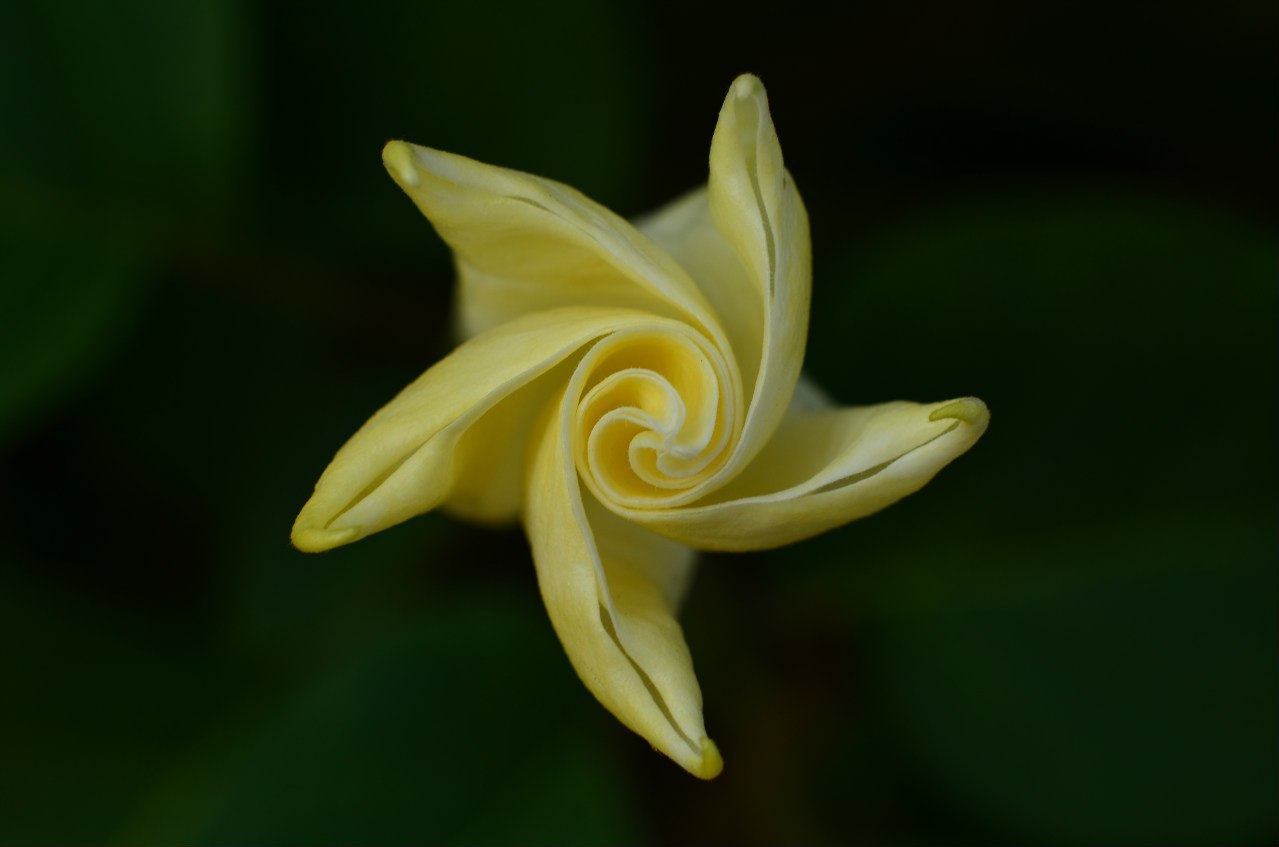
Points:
(654, 415)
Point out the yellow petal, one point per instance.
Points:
(756, 208)
(684, 229)
(418, 451)
(524, 243)
(612, 589)
(744, 241)
(655, 415)
(823, 468)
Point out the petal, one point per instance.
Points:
(611, 590)
(758, 211)
(423, 447)
(685, 230)
(823, 468)
(524, 243)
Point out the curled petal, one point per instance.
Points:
(612, 589)
(432, 442)
(653, 421)
(524, 243)
(744, 239)
(823, 468)
(758, 211)
(684, 229)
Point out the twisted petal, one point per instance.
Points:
(744, 239)
(524, 243)
(685, 230)
(439, 438)
(825, 467)
(612, 590)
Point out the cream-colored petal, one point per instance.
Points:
(612, 590)
(684, 229)
(488, 457)
(524, 243)
(823, 468)
(757, 210)
(410, 456)
(656, 412)
(744, 240)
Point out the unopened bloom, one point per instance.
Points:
(631, 393)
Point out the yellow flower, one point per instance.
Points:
(631, 393)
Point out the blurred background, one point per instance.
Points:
(207, 282)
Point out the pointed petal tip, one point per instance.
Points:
(967, 410)
(711, 764)
(315, 540)
(746, 85)
(397, 156)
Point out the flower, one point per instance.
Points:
(631, 393)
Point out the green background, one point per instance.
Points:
(208, 282)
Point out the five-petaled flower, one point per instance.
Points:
(631, 393)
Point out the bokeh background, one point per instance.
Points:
(208, 282)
